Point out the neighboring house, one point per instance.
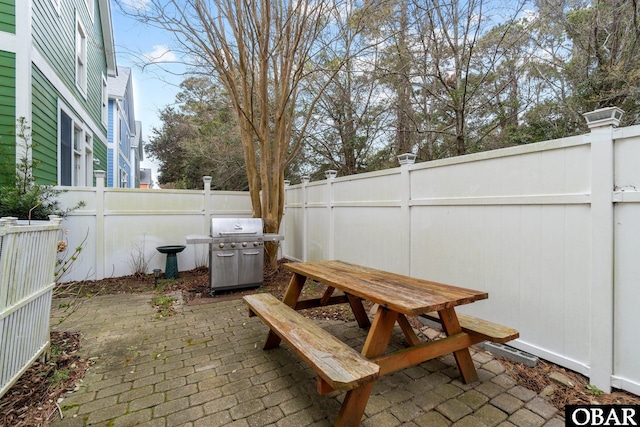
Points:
(55, 59)
(124, 149)
(145, 178)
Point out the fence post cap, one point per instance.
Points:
(407, 158)
(608, 116)
(330, 174)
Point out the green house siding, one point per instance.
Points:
(7, 117)
(44, 128)
(54, 37)
(8, 16)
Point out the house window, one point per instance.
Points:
(64, 158)
(81, 57)
(124, 178)
(105, 100)
(78, 137)
(88, 160)
(75, 159)
(124, 146)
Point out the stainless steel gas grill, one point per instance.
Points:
(236, 253)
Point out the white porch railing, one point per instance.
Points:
(27, 261)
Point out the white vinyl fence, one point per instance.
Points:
(551, 230)
(27, 261)
(121, 228)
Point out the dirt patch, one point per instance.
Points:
(33, 399)
(538, 379)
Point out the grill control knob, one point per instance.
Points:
(255, 244)
(233, 245)
(244, 244)
(221, 245)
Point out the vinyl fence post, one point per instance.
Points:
(100, 250)
(206, 205)
(406, 160)
(330, 175)
(283, 222)
(601, 122)
(305, 233)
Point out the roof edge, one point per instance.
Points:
(107, 31)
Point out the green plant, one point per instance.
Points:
(59, 376)
(163, 304)
(65, 261)
(594, 390)
(26, 199)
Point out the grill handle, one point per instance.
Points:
(251, 253)
(225, 255)
(232, 233)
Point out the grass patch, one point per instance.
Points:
(163, 305)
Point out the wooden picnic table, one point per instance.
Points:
(397, 297)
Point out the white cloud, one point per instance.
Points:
(160, 53)
(136, 5)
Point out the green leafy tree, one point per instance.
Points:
(165, 146)
(588, 60)
(199, 137)
(351, 117)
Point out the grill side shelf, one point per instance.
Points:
(198, 239)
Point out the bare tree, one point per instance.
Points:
(462, 68)
(347, 128)
(258, 51)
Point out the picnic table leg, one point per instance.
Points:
(356, 400)
(353, 406)
(409, 333)
(290, 298)
(327, 295)
(451, 326)
(359, 311)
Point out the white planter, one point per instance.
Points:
(27, 262)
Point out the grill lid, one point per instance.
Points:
(234, 229)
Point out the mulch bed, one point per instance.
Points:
(33, 400)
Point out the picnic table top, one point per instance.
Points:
(403, 294)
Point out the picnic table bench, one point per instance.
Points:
(340, 367)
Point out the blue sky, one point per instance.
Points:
(154, 88)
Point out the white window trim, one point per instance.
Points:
(84, 152)
(81, 80)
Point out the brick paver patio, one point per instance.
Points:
(204, 366)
